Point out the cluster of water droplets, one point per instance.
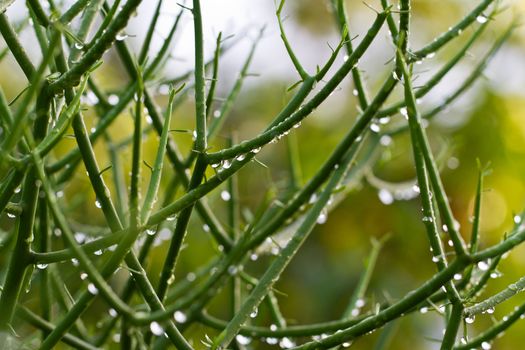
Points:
(388, 196)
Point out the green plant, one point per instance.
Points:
(142, 312)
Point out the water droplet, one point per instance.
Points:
(272, 341)
(79, 46)
(180, 317)
(457, 276)
(469, 319)
(375, 128)
(216, 165)
(83, 276)
(345, 58)
(355, 92)
(151, 232)
(92, 289)
(482, 19)
(74, 261)
(191, 277)
(495, 274)
(423, 310)
(116, 337)
(453, 163)
(232, 270)
(11, 215)
(113, 99)
(286, 343)
(225, 195)
(41, 266)
(431, 55)
(273, 327)
(217, 113)
(384, 120)
(98, 252)
(427, 219)
(360, 303)
(170, 280)
(346, 344)
(253, 314)
(121, 36)
(171, 218)
(396, 77)
(227, 164)
(486, 345)
(254, 257)
(483, 266)
(404, 112)
(385, 196)
(156, 328)
(241, 339)
(112, 312)
(240, 157)
(517, 219)
(323, 217)
(435, 258)
(97, 204)
(490, 310)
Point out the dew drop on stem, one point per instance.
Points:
(243, 340)
(156, 328)
(483, 266)
(482, 19)
(323, 217)
(121, 36)
(385, 196)
(92, 289)
(41, 266)
(180, 317)
(151, 232)
(486, 345)
(375, 128)
(469, 319)
(253, 314)
(286, 343)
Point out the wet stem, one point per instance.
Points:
(155, 312)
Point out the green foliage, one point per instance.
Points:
(167, 195)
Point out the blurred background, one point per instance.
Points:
(487, 124)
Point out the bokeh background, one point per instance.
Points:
(487, 124)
